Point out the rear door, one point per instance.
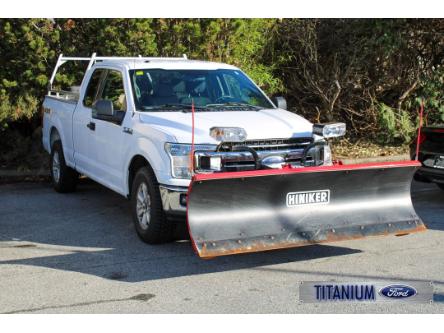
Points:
(83, 131)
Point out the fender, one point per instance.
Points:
(156, 158)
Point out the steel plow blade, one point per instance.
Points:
(239, 212)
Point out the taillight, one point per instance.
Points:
(422, 138)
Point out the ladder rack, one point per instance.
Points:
(92, 60)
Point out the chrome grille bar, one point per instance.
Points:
(269, 144)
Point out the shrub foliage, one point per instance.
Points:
(371, 74)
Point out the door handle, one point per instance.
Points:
(91, 126)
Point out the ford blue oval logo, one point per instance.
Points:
(398, 291)
(273, 161)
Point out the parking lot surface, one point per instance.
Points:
(79, 253)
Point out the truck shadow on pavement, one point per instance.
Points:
(116, 265)
(91, 232)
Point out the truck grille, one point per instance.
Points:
(269, 144)
(291, 148)
(257, 154)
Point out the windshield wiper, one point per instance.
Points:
(171, 107)
(187, 107)
(234, 104)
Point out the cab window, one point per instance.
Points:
(92, 88)
(113, 90)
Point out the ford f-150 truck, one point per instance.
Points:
(148, 127)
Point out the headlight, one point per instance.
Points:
(329, 130)
(179, 154)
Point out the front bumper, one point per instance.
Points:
(174, 200)
(249, 157)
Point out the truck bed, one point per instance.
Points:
(59, 107)
(66, 96)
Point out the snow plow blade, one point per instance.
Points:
(251, 211)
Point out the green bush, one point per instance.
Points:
(24, 107)
(368, 73)
(396, 125)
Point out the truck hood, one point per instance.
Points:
(263, 124)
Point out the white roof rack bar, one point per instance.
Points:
(61, 60)
(138, 58)
(58, 64)
(91, 61)
(76, 58)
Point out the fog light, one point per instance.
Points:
(327, 155)
(211, 163)
(215, 163)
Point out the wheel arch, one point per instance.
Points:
(54, 135)
(137, 161)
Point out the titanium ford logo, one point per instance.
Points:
(321, 197)
(398, 291)
(366, 292)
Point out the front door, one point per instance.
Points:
(110, 139)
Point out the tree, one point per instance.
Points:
(27, 51)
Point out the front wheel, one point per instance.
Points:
(150, 221)
(64, 179)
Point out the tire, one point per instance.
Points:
(441, 186)
(64, 179)
(150, 220)
(420, 178)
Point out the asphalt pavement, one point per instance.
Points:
(79, 253)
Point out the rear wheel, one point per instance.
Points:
(64, 179)
(150, 221)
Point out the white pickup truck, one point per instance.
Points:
(129, 126)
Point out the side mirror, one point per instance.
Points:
(280, 102)
(104, 108)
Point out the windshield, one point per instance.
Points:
(209, 90)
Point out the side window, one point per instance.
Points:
(113, 90)
(91, 89)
